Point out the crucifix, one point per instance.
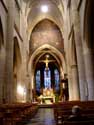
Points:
(47, 76)
(46, 61)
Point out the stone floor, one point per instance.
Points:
(44, 116)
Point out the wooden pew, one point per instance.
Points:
(63, 109)
(11, 114)
(1, 117)
(78, 123)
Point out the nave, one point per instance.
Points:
(44, 116)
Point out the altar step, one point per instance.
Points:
(45, 105)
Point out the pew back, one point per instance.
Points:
(62, 110)
(78, 123)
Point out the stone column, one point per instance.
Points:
(31, 76)
(15, 86)
(66, 48)
(70, 85)
(27, 87)
(70, 81)
(89, 67)
(75, 82)
(29, 90)
(2, 68)
(79, 51)
(74, 71)
(9, 54)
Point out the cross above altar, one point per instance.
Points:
(46, 61)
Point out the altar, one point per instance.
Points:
(47, 97)
(48, 100)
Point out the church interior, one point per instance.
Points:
(46, 61)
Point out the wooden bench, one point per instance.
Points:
(78, 123)
(11, 114)
(62, 110)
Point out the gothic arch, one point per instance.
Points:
(54, 14)
(50, 53)
(35, 22)
(54, 50)
(89, 24)
(45, 25)
(89, 48)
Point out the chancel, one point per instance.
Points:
(48, 83)
(46, 60)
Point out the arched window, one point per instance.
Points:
(47, 78)
(38, 80)
(57, 79)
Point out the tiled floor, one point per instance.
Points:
(44, 116)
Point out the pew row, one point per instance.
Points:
(78, 123)
(62, 110)
(13, 114)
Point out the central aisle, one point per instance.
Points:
(44, 116)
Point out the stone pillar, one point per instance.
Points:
(2, 68)
(29, 90)
(9, 54)
(74, 71)
(79, 51)
(69, 72)
(70, 85)
(27, 87)
(89, 67)
(66, 48)
(31, 76)
(15, 86)
(75, 82)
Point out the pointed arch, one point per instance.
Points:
(89, 24)
(53, 50)
(35, 22)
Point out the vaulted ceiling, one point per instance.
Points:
(46, 32)
(34, 13)
(50, 24)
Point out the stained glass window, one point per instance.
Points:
(38, 80)
(47, 78)
(57, 80)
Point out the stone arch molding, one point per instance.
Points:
(33, 19)
(43, 53)
(54, 50)
(86, 21)
(35, 22)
